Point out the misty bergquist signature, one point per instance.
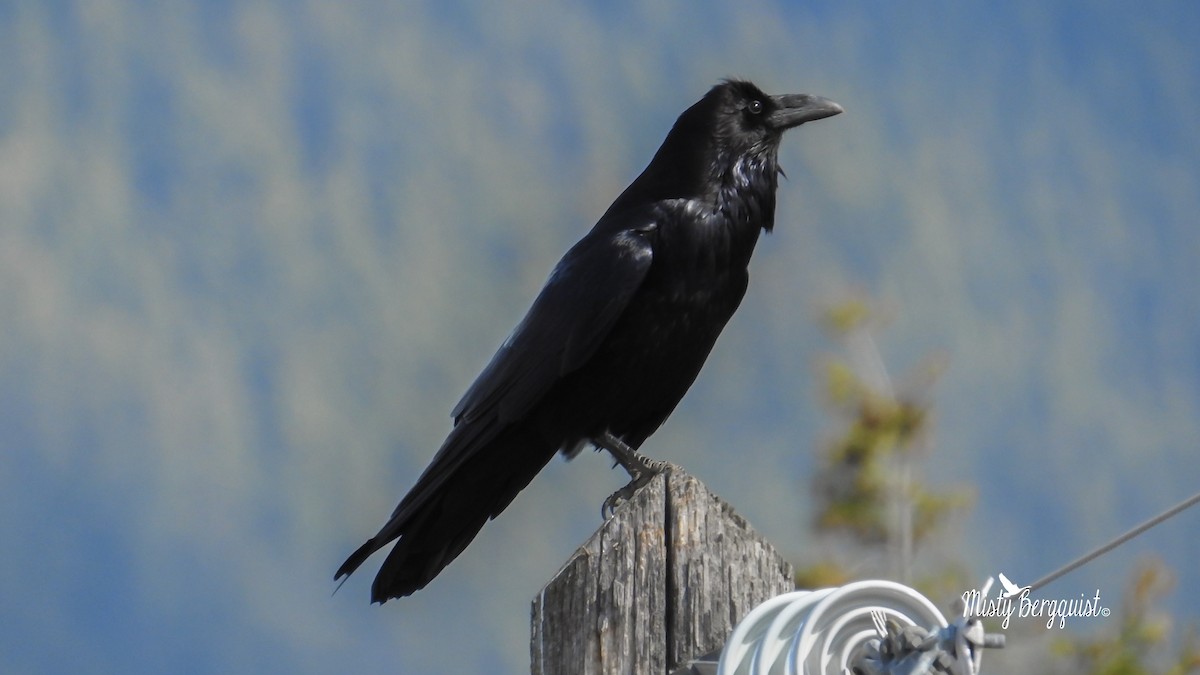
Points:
(1016, 600)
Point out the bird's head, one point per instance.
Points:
(746, 119)
(721, 139)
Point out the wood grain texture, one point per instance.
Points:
(664, 580)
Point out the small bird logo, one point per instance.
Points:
(1010, 589)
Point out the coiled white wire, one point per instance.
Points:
(817, 632)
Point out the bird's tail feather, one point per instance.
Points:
(357, 558)
(434, 530)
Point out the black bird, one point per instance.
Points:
(614, 339)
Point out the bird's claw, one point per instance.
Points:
(609, 508)
(649, 469)
(641, 470)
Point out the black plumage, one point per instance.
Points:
(616, 337)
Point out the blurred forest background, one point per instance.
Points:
(252, 252)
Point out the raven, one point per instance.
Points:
(616, 336)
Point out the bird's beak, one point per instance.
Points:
(792, 110)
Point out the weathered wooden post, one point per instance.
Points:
(661, 582)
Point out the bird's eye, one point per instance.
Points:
(755, 107)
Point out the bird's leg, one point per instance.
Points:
(641, 470)
(631, 460)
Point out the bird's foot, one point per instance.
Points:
(609, 507)
(641, 471)
(626, 493)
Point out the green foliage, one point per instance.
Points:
(864, 474)
(855, 477)
(867, 470)
(823, 574)
(1140, 643)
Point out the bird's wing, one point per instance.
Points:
(586, 293)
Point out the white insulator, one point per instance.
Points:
(818, 632)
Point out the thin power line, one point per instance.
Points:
(1191, 501)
